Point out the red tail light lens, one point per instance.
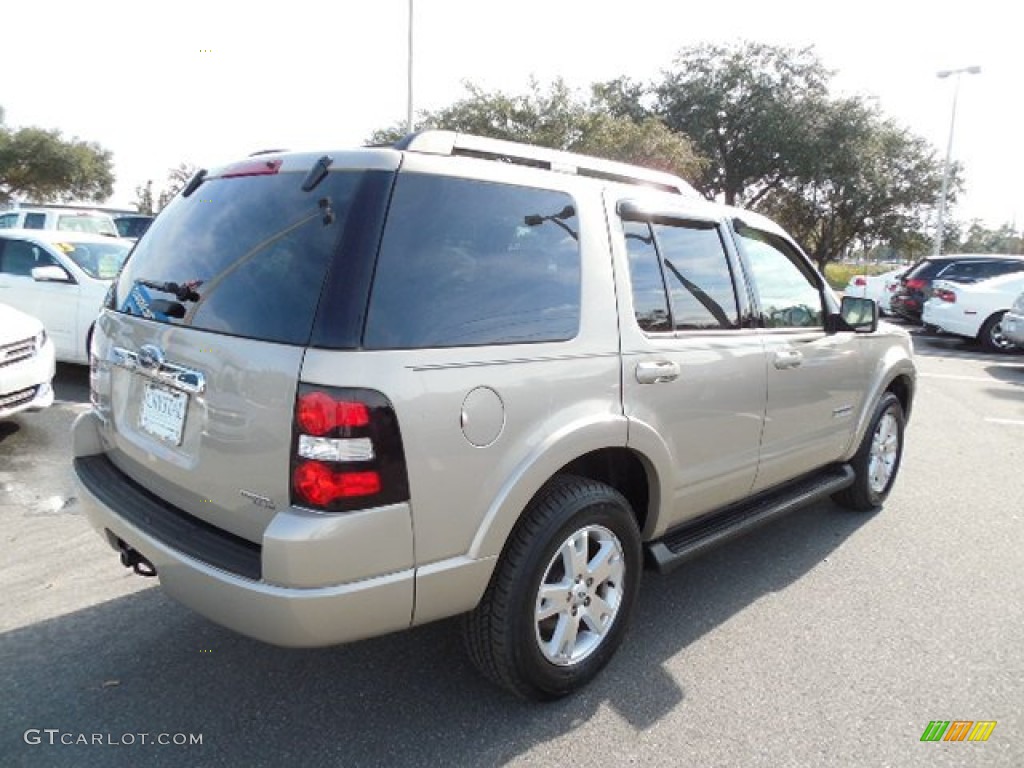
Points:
(915, 283)
(318, 413)
(945, 295)
(347, 451)
(321, 486)
(860, 281)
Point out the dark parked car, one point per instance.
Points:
(916, 285)
(132, 225)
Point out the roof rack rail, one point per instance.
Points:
(452, 143)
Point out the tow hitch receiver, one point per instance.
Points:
(132, 558)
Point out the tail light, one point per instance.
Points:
(347, 450)
(860, 281)
(915, 284)
(944, 294)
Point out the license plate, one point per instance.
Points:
(162, 413)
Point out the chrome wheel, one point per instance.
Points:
(997, 338)
(580, 595)
(885, 451)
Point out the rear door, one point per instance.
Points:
(693, 377)
(201, 345)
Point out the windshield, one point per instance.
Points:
(99, 260)
(245, 256)
(96, 224)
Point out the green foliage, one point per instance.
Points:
(747, 107)
(558, 119)
(979, 239)
(177, 178)
(44, 167)
(865, 180)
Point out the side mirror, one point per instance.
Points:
(858, 315)
(51, 274)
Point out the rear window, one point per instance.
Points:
(87, 222)
(244, 256)
(466, 262)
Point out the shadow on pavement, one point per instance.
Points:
(143, 664)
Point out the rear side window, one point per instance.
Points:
(35, 220)
(467, 262)
(689, 262)
(244, 256)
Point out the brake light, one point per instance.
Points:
(915, 283)
(860, 281)
(319, 413)
(347, 450)
(944, 294)
(253, 168)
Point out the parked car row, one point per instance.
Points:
(966, 294)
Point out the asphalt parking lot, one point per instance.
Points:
(827, 638)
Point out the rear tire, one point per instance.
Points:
(561, 596)
(877, 461)
(991, 335)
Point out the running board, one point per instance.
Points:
(697, 536)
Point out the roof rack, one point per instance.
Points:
(451, 143)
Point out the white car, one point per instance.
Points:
(27, 363)
(975, 310)
(60, 217)
(60, 278)
(876, 287)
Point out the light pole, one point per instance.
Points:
(973, 70)
(408, 113)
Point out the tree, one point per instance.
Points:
(177, 178)
(980, 239)
(863, 180)
(44, 167)
(559, 119)
(746, 107)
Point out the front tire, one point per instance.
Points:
(877, 461)
(560, 599)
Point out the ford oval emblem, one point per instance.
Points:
(151, 357)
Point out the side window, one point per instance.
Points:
(650, 300)
(467, 262)
(35, 221)
(698, 277)
(20, 258)
(680, 277)
(788, 295)
(8, 220)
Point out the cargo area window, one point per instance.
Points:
(467, 262)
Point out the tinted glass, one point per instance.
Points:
(132, 226)
(84, 222)
(35, 220)
(698, 276)
(19, 257)
(789, 298)
(650, 300)
(8, 220)
(469, 262)
(250, 252)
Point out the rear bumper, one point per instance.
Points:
(948, 317)
(275, 604)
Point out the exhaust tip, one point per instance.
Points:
(132, 558)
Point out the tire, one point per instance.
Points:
(991, 335)
(515, 635)
(877, 461)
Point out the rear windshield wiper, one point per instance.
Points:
(181, 291)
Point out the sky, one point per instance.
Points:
(210, 82)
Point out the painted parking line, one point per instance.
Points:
(1010, 422)
(955, 377)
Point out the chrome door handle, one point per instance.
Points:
(788, 358)
(657, 372)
